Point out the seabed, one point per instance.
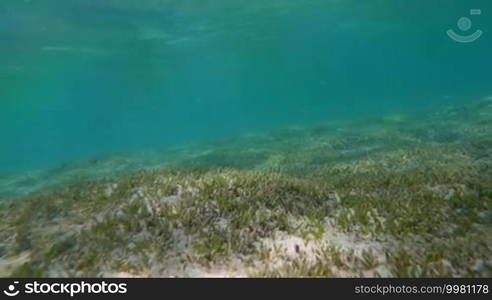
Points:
(394, 196)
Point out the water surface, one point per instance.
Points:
(81, 78)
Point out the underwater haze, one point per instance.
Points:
(237, 138)
(82, 78)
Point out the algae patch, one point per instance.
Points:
(399, 196)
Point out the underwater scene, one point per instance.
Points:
(245, 138)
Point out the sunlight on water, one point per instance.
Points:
(332, 138)
(81, 78)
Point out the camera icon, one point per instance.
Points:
(464, 24)
(11, 291)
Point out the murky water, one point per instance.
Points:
(80, 78)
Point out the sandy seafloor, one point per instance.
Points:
(394, 196)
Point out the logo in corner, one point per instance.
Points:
(464, 24)
(11, 291)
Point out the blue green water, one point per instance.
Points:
(80, 78)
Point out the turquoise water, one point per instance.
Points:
(80, 78)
